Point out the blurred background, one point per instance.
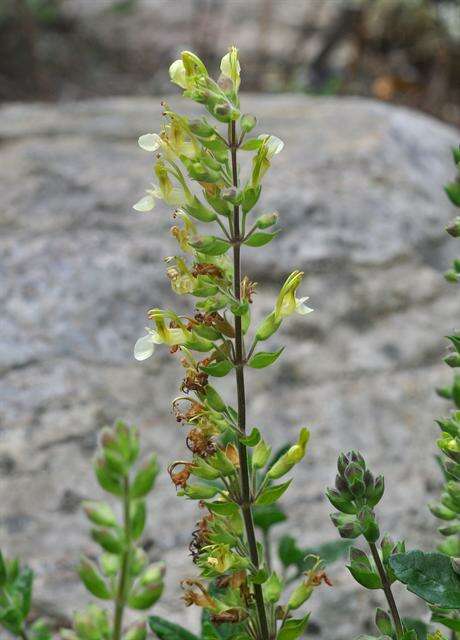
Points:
(403, 51)
(366, 96)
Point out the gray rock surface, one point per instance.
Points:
(359, 190)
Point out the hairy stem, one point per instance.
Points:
(246, 499)
(120, 601)
(387, 590)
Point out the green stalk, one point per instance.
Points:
(387, 590)
(123, 577)
(246, 497)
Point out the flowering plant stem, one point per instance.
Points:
(246, 498)
(386, 586)
(120, 601)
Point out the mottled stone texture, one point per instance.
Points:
(359, 191)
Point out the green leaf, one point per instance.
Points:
(211, 245)
(200, 212)
(421, 629)
(266, 516)
(450, 623)
(168, 630)
(264, 358)
(251, 144)
(430, 576)
(218, 369)
(293, 628)
(289, 552)
(252, 439)
(3, 574)
(453, 192)
(260, 238)
(273, 493)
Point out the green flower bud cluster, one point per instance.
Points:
(16, 583)
(355, 494)
(122, 573)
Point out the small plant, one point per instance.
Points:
(434, 577)
(122, 574)
(230, 471)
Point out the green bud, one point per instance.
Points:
(137, 631)
(138, 518)
(145, 478)
(248, 122)
(144, 597)
(100, 513)
(107, 480)
(273, 588)
(201, 469)
(441, 512)
(294, 455)
(199, 491)
(451, 276)
(383, 622)
(267, 327)
(375, 493)
(267, 220)
(214, 400)
(221, 463)
(369, 526)
(110, 564)
(261, 454)
(93, 580)
(300, 595)
(153, 574)
(201, 128)
(339, 502)
(452, 360)
(92, 623)
(109, 540)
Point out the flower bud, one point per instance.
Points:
(453, 228)
(300, 595)
(145, 478)
(451, 276)
(267, 220)
(144, 597)
(294, 455)
(100, 513)
(267, 327)
(201, 469)
(137, 631)
(453, 360)
(92, 579)
(153, 574)
(261, 454)
(199, 492)
(248, 122)
(383, 622)
(109, 540)
(273, 588)
(221, 463)
(230, 194)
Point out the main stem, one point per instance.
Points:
(120, 601)
(387, 590)
(246, 500)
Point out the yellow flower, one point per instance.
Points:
(231, 68)
(287, 303)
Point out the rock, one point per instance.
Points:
(359, 191)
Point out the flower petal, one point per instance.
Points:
(301, 307)
(145, 204)
(178, 74)
(149, 141)
(143, 348)
(274, 144)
